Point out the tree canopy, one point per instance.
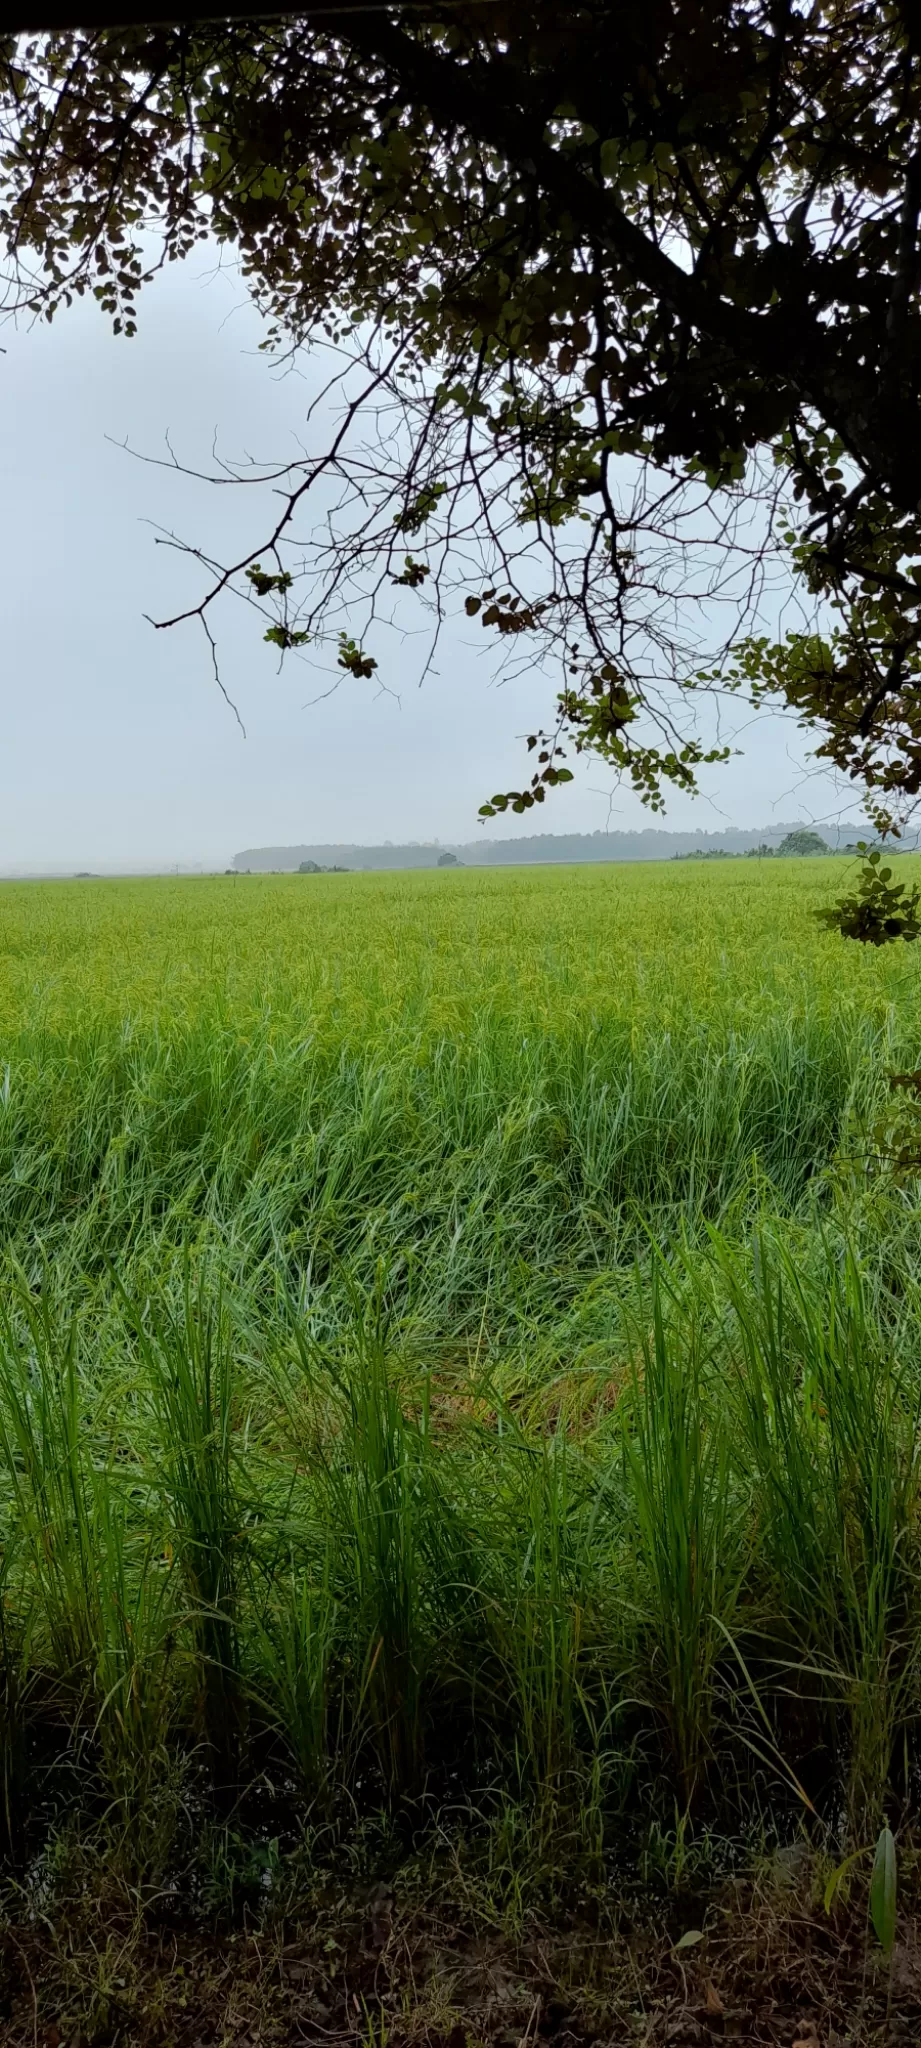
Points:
(802, 843)
(623, 299)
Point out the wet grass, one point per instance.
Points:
(452, 1355)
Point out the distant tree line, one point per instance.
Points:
(544, 848)
(796, 844)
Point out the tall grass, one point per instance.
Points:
(691, 1549)
(445, 1352)
(197, 1442)
(830, 1421)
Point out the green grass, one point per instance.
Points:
(451, 1349)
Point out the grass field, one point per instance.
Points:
(453, 1354)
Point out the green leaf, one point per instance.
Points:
(838, 1875)
(883, 1891)
(688, 1940)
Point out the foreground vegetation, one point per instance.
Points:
(455, 1358)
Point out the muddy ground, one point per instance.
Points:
(383, 1965)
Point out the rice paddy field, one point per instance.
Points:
(457, 1355)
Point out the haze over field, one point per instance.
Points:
(119, 752)
(648, 844)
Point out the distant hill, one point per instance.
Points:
(540, 848)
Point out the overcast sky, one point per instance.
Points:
(118, 750)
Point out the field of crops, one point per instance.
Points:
(453, 1349)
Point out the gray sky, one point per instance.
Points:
(118, 749)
